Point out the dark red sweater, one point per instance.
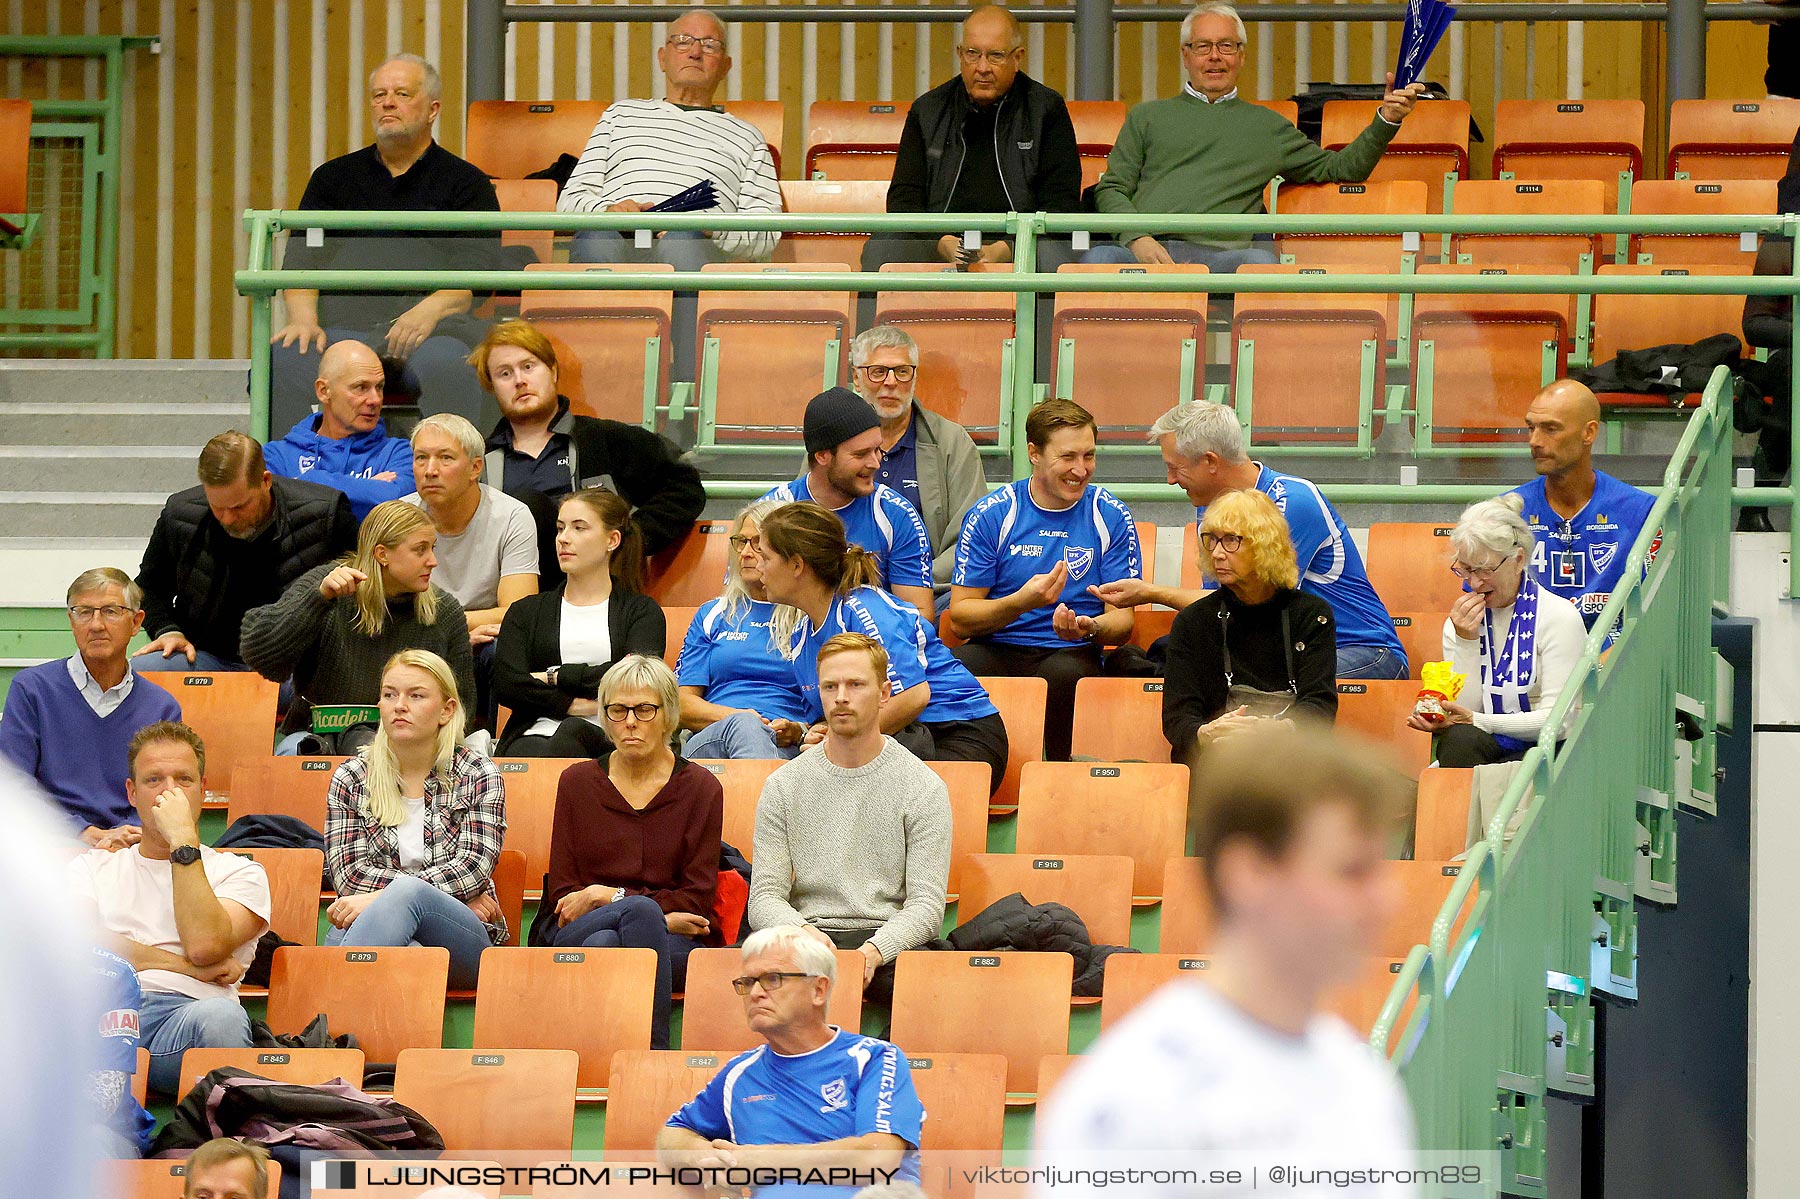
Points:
(668, 851)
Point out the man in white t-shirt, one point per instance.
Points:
(1244, 1069)
(186, 918)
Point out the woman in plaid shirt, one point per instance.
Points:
(413, 827)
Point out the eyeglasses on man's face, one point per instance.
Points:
(993, 58)
(1229, 48)
(879, 374)
(1229, 542)
(687, 41)
(617, 712)
(110, 613)
(770, 982)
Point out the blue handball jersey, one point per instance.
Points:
(1330, 566)
(737, 663)
(116, 1030)
(883, 523)
(1583, 559)
(915, 655)
(1007, 538)
(851, 1086)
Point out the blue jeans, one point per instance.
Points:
(685, 250)
(636, 922)
(739, 735)
(439, 369)
(1218, 260)
(169, 1025)
(410, 911)
(1369, 662)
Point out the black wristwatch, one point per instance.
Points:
(185, 855)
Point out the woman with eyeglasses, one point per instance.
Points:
(554, 646)
(1258, 648)
(738, 693)
(1516, 643)
(634, 846)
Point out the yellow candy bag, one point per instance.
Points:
(1438, 685)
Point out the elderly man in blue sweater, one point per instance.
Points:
(68, 722)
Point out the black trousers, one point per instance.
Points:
(980, 740)
(573, 738)
(1783, 75)
(1463, 745)
(880, 989)
(1062, 668)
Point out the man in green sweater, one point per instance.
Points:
(1208, 151)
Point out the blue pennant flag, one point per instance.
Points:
(1426, 21)
(698, 198)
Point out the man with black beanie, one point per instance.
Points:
(843, 453)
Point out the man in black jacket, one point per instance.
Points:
(229, 545)
(992, 139)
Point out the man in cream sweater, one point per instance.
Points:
(853, 836)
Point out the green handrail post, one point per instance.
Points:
(652, 379)
(262, 320)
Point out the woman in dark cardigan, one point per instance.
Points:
(554, 647)
(1256, 649)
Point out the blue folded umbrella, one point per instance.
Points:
(1426, 22)
(698, 198)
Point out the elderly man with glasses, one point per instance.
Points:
(69, 722)
(1209, 151)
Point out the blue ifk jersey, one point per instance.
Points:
(733, 658)
(1007, 538)
(883, 523)
(915, 655)
(1330, 565)
(1582, 559)
(117, 1036)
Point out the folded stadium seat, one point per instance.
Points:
(1132, 978)
(1148, 623)
(770, 119)
(1021, 702)
(284, 786)
(1376, 710)
(1371, 251)
(947, 1003)
(1096, 886)
(712, 1014)
(1478, 360)
(1731, 139)
(1571, 139)
(647, 1085)
(1187, 912)
(1518, 197)
(1287, 108)
(234, 713)
(509, 893)
(692, 571)
(487, 1102)
(678, 618)
(853, 139)
(1052, 1067)
(1627, 322)
(1422, 887)
(1127, 357)
(964, 1096)
(295, 877)
(1193, 578)
(140, 1075)
(1138, 809)
(1118, 720)
(1097, 124)
(742, 780)
(510, 139)
(528, 195)
(967, 783)
(308, 1067)
(1433, 142)
(593, 1001)
(157, 1178)
(389, 999)
(603, 356)
(531, 810)
(1409, 567)
(1421, 636)
(1670, 197)
(1309, 368)
(1441, 827)
(965, 345)
(15, 155)
(1358, 1003)
(775, 350)
(805, 195)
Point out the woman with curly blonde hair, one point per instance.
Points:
(1257, 648)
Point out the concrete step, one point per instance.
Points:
(119, 422)
(125, 380)
(81, 514)
(160, 468)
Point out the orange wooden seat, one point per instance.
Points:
(1637, 322)
(712, 1014)
(283, 786)
(1409, 566)
(1442, 823)
(1396, 197)
(1289, 109)
(964, 1097)
(806, 195)
(1571, 139)
(309, 1067)
(770, 119)
(602, 340)
(530, 811)
(1187, 911)
(1097, 124)
(140, 1075)
(234, 713)
(692, 571)
(1051, 1068)
(486, 1100)
(1433, 142)
(158, 1178)
(1132, 978)
(390, 999)
(1119, 720)
(853, 139)
(528, 195)
(742, 780)
(1149, 623)
(1731, 139)
(295, 879)
(1309, 365)
(15, 155)
(1484, 357)
(1519, 197)
(1376, 710)
(963, 341)
(1096, 887)
(968, 784)
(1421, 636)
(1359, 1001)
(774, 351)
(648, 1085)
(1422, 888)
(594, 1001)
(1021, 702)
(1669, 197)
(1134, 353)
(1138, 809)
(510, 139)
(946, 1003)
(677, 619)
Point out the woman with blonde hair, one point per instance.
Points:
(634, 846)
(1256, 649)
(413, 826)
(335, 628)
(738, 692)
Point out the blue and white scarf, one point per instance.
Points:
(1506, 679)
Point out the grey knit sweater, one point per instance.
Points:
(316, 641)
(864, 848)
